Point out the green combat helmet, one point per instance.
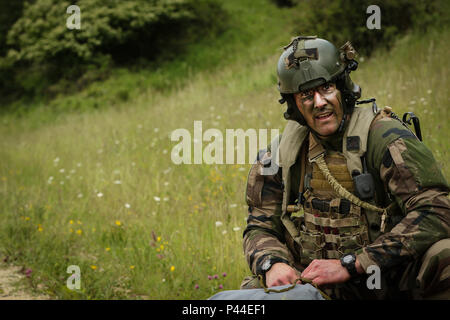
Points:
(308, 62)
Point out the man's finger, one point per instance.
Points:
(319, 281)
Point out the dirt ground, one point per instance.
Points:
(10, 286)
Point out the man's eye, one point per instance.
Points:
(327, 87)
(307, 94)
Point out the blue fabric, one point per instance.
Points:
(299, 292)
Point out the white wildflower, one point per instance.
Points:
(117, 182)
(99, 194)
(157, 199)
(219, 223)
(127, 205)
(236, 229)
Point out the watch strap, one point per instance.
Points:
(351, 266)
(272, 259)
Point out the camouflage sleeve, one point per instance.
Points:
(411, 176)
(263, 236)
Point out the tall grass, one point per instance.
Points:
(99, 189)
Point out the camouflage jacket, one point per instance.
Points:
(404, 170)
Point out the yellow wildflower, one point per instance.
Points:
(172, 268)
(158, 239)
(118, 223)
(107, 249)
(40, 229)
(161, 247)
(93, 267)
(27, 218)
(79, 232)
(131, 267)
(71, 221)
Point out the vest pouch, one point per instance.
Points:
(349, 244)
(311, 245)
(364, 186)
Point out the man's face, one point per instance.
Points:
(321, 107)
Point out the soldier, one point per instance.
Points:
(355, 191)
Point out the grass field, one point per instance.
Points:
(98, 189)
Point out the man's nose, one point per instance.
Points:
(319, 100)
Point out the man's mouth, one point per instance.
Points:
(324, 116)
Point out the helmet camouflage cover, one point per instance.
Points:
(308, 62)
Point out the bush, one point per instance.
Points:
(10, 11)
(42, 51)
(342, 20)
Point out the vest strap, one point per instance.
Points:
(333, 223)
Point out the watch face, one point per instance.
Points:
(347, 259)
(266, 265)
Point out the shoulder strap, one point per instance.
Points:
(355, 137)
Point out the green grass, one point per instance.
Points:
(119, 249)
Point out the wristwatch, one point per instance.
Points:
(348, 261)
(268, 263)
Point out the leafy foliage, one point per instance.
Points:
(42, 50)
(342, 20)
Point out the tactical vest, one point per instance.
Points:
(329, 226)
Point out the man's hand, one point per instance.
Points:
(281, 274)
(326, 272)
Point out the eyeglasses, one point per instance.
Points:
(307, 96)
